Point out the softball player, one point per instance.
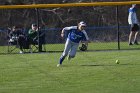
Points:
(76, 34)
(134, 25)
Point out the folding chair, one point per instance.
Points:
(16, 36)
(24, 44)
(34, 47)
(16, 44)
(12, 44)
(37, 46)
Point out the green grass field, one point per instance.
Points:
(88, 72)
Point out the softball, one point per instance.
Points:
(117, 61)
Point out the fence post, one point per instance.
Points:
(38, 27)
(118, 28)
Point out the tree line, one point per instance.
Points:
(59, 17)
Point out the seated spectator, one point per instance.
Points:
(33, 33)
(35, 36)
(17, 37)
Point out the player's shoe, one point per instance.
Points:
(130, 43)
(68, 58)
(136, 43)
(58, 65)
(21, 52)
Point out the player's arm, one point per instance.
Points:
(85, 41)
(66, 29)
(84, 45)
(87, 38)
(62, 32)
(131, 18)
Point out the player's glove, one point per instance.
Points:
(83, 47)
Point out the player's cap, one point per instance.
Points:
(34, 24)
(82, 23)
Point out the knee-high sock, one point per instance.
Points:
(61, 59)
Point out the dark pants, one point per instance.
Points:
(35, 41)
(23, 42)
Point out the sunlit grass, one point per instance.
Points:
(88, 72)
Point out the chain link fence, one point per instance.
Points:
(102, 26)
(102, 38)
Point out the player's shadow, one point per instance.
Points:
(108, 65)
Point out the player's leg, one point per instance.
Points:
(73, 50)
(135, 38)
(66, 51)
(132, 32)
(136, 33)
(130, 38)
(21, 43)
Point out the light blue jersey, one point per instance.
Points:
(132, 17)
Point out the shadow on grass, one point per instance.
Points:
(109, 65)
